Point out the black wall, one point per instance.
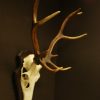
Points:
(82, 81)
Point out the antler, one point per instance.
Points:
(60, 35)
(37, 23)
(45, 58)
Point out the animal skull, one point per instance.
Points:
(29, 76)
(34, 62)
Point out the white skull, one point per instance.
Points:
(29, 76)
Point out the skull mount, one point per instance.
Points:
(29, 76)
(32, 63)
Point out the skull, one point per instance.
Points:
(29, 76)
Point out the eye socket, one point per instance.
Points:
(25, 76)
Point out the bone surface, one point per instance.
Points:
(29, 76)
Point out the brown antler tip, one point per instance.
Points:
(42, 21)
(58, 11)
(64, 69)
(85, 34)
(80, 13)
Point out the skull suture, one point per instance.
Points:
(29, 76)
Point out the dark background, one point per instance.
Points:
(82, 82)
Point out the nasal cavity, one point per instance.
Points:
(27, 85)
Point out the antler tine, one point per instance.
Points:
(35, 10)
(60, 33)
(49, 55)
(36, 24)
(42, 21)
(52, 69)
(77, 12)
